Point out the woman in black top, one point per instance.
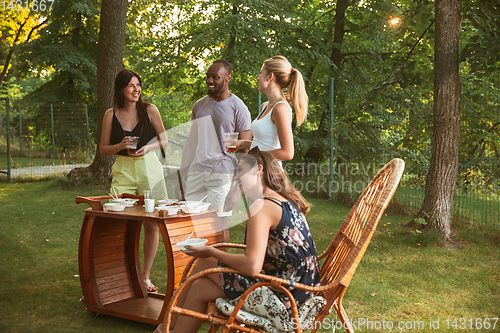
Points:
(135, 172)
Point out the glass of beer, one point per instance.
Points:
(132, 148)
(231, 141)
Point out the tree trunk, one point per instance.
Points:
(336, 58)
(229, 51)
(442, 176)
(11, 53)
(109, 63)
(338, 35)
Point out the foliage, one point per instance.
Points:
(67, 50)
(382, 68)
(17, 26)
(482, 24)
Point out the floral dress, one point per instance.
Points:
(291, 253)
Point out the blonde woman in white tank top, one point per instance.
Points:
(265, 130)
(272, 129)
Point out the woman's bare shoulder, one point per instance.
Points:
(108, 114)
(152, 109)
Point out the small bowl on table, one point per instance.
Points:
(115, 206)
(191, 208)
(170, 210)
(192, 242)
(128, 202)
(204, 206)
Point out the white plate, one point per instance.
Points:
(191, 209)
(166, 202)
(193, 242)
(129, 202)
(114, 206)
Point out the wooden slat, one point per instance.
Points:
(124, 291)
(111, 264)
(108, 246)
(111, 257)
(105, 229)
(105, 239)
(112, 278)
(123, 288)
(114, 288)
(118, 297)
(117, 225)
(111, 271)
(112, 250)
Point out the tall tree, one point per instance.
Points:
(109, 63)
(441, 178)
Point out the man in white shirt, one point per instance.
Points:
(206, 167)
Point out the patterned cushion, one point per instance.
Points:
(263, 309)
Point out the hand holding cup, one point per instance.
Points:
(231, 141)
(132, 144)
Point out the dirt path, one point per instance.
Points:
(41, 171)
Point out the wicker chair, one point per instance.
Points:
(340, 260)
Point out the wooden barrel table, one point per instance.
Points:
(109, 257)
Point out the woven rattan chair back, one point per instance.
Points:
(344, 253)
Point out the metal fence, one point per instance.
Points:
(473, 206)
(476, 208)
(43, 140)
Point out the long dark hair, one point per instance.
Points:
(121, 81)
(275, 178)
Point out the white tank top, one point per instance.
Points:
(264, 132)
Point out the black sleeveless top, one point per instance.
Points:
(117, 133)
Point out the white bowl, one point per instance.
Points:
(192, 242)
(191, 208)
(171, 210)
(115, 206)
(205, 206)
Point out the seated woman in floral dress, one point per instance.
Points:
(278, 243)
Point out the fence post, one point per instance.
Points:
(20, 133)
(6, 99)
(88, 129)
(53, 136)
(260, 99)
(332, 120)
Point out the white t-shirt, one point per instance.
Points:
(213, 119)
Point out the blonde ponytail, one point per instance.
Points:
(287, 76)
(297, 95)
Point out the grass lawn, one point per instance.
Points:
(403, 277)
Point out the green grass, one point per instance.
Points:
(402, 277)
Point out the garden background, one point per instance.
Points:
(369, 71)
